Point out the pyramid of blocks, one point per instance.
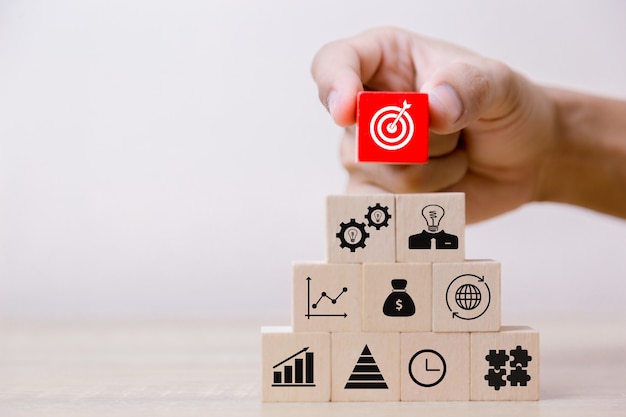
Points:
(397, 313)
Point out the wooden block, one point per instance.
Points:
(365, 367)
(392, 127)
(466, 296)
(326, 297)
(431, 227)
(435, 366)
(505, 365)
(397, 297)
(296, 366)
(361, 228)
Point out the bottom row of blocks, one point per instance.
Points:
(498, 366)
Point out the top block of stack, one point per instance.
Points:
(385, 228)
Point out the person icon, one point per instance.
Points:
(433, 214)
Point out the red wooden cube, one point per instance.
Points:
(392, 127)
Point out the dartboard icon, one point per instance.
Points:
(392, 127)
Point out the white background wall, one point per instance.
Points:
(170, 158)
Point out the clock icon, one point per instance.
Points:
(427, 368)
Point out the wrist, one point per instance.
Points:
(586, 165)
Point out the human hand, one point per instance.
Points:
(491, 130)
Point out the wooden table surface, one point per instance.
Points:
(212, 368)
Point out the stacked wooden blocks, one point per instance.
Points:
(397, 313)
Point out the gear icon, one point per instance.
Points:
(378, 216)
(352, 235)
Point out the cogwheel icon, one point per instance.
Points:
(352, 235)
(378, 216)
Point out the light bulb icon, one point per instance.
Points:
(434, 237)
(433, 214)
(353, 234)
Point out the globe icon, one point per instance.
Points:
(467, 297)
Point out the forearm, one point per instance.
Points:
(587, 165)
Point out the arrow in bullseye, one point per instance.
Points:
(392, 126)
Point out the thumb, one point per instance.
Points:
(462, 92)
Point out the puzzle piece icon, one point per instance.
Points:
(520, 357)
(495, 378)
(518, 376)
(497, 359)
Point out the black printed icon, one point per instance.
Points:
(366, 374)
(518, 375)
(353, 234)
(433, 214)
(427, 368)
(399, 303)
(298, 373)
(468, 297)
(324, 297)
(378, 216)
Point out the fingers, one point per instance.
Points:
(379, 58)
(437, 175)
(440, 172)
(462, 86)
(461, 92)
(357, 187)
(337, 72)
(440, 145)
(502, 196)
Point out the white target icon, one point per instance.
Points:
(392, 127)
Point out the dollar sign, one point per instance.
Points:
(399, 305)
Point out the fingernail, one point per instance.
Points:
(446, 98)
(331, 102)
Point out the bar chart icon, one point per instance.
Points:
(296, 373)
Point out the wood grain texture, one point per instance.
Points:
(435, 366)
(511, 353)
(376, 219)
(326, 297)
(212, 367)
(430, 227)
(466, 296)
(366, 367)
(386, 309)
(295, 366)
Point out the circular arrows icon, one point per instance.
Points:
(468, 297)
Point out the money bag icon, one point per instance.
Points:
(399, 303)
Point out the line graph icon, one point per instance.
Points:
(332, 300)
(321, 301)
